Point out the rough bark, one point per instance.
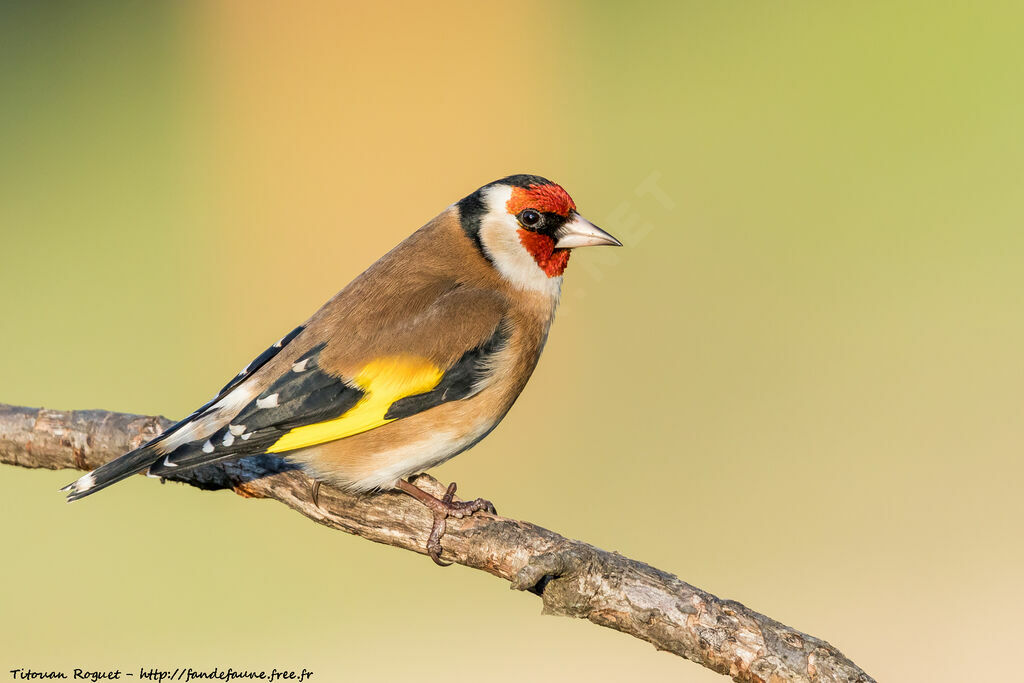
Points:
(571, 577)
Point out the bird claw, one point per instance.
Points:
(315, 494)
(434, 548)
(442, 508)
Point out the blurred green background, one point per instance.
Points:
(799, 385)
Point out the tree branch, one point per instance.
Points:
(571, 577)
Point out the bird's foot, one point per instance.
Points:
(443, 508)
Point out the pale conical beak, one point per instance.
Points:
(579, 232)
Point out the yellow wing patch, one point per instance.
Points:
(384, 381)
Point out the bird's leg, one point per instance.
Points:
(443, 508)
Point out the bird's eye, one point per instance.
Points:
(530, 218)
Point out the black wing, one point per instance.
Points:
(144, 456)
(257, 363)
(307, 395)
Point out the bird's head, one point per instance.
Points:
(525, 225)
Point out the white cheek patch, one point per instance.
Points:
(500, 238)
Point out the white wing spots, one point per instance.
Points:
(245, 437)
(212, 419)
(300, 366)
(278, 343)
(229, 439)
(236, 400)
(167, 459)
(268, 402)
(237, 430)
(208, 446)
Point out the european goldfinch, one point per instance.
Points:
(415, 361)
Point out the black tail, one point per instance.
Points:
(114, 471)
(186, 457)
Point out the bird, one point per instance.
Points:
(413, 362)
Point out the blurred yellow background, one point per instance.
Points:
(799, 385)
